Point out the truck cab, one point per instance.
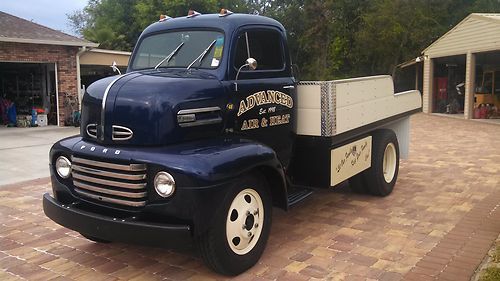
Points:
(194, 92)
(208, 130)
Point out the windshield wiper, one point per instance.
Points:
(202, 55)
(167, 58)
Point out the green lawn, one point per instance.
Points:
(492, 273)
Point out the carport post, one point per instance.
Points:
(470, 78)
(78, 78)
(428, 84)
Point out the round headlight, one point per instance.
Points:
(63, 167)
(164, 184)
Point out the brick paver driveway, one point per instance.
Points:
(438, 223)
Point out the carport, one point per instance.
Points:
(95, 64)
(461, 68)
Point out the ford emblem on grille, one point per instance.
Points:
(121, 133)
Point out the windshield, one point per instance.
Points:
(179, 49)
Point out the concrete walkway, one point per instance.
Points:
(24, 152)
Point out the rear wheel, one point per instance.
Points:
(238, 236)
(381, 177)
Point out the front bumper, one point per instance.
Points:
(109, 228)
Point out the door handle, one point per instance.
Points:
(289, 87)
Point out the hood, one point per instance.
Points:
(153, 107)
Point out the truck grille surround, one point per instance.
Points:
(119, 133)
(92, 130)
(120, 184)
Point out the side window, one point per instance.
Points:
(264, 46)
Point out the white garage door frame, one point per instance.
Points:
(57, 93)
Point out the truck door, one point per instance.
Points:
(264, 98)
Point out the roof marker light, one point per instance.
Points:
(192, 14)
(224, 13)
(164, 18)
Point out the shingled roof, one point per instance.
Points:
(15, 29)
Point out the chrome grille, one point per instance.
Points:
(110, 182)
(121, 133)
(92, 130)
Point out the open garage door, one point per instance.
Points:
(487, 90)
(449, 81)
(28, 86)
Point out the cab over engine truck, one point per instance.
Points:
(208, 130)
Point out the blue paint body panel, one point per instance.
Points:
(203, 171)
(148, 102)
(200, 163)
(205, 160)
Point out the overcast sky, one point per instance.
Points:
(51, 13)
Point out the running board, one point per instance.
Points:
(297, 194)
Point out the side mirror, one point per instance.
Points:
(115, 68)
(250, 63)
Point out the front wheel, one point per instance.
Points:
(238, 236)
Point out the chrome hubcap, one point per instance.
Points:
(244, 221)
(390, 162)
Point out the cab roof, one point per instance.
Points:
(227, 23)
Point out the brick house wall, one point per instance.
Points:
(64, 56)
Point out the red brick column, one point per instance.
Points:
(64, 56)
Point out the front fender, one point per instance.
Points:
(216, 161)
(227, 159)
(194, 164)
(203, 170)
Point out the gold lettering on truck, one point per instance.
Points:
(350, 159)
(264, 122)
(263, 98)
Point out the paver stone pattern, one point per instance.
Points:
(439, 222)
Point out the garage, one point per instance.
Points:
(38, 73)
(461, 72)
(28, 86)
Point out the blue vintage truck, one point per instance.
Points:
(208, 130)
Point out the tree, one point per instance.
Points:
(394, 31)
(329, 39)
(108, 22)
(320, 33)
(485, 6)
(116, 24)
